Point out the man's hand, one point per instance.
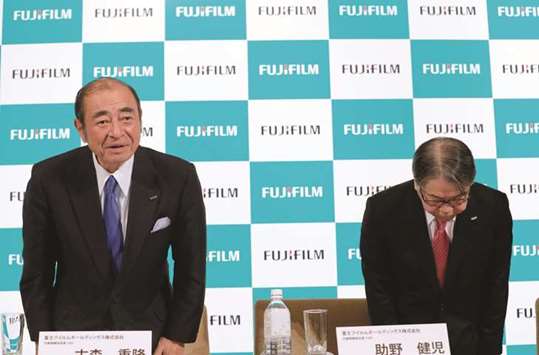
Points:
(169, 347)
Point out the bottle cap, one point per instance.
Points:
(276, 292)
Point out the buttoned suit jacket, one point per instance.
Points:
(68, 282)
(400, 273)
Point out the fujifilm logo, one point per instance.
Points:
(368, 10)
(42, 14)
(353, 254)
(225, 320)
(25, 134)
(373, 129)
(15, 259)
(284, 192)
(454, 128)
(290, 10)
(130, 71)
(223, 256)
(41, 73)
(527, 313)
(290, 130)
(372, 69)
(365, 190)
(520, 69)
(522, 128)
(525, 250)
(16, 196)
(205, 11)
(288, 69)
(205, 70)
(207, 131)
(441, 10)
(451, 69)
(126, 12)
(220, 192)
(518, 11)
(523, 189)
(294, 255)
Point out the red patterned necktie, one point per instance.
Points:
(440, 249)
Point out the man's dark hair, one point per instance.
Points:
(444, 157)
(103, 83)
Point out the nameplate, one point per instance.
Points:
(409, 339)
(96, 343)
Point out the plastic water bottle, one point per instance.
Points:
(277, 340)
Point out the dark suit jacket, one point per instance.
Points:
(399, 270)
(68, 282)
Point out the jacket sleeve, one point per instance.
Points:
(495, 305)
(189, 254)
(378, 281)
(39, 254)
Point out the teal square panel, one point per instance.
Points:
(487, 172)
(42, 21)
(362, 127)
(30, 133)
(348, 257)
(138, 64)
(525, 257)
(288, 69)
(10, 259)
(205, 19)
(228, 259)
(292, 293)
(517, 128)
(207, 131)
(513, 19)
(451, 69)
(377, 19)
(521, 350)
(292, 192)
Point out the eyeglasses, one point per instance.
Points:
(439, 202)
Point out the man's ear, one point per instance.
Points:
(80, 128)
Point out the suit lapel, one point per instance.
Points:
(463, 239)
(84, 194)
(143, 202)
(416, 223)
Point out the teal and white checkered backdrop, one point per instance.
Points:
(294, 112)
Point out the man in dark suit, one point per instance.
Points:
(98, 222)
(438, 248)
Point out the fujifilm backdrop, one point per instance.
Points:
(294, 112)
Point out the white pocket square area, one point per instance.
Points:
(161, 223)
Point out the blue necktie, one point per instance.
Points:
(113, 225)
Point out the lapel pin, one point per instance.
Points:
(153, 197)
(473, 218)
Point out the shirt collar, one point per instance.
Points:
(122, 175)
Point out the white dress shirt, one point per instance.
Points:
(123, 177)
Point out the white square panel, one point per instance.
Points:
(230, 319)
(123, 20)
(205, 70)
(283, 19)
(448, 19)
(370, 69)
(519, 179)
(40, 73)
(357, 180)
(226, 191)
(515, 68)
(469, 120)
(293, 255)
(153, 125)
(290, 130)
(14, 181)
